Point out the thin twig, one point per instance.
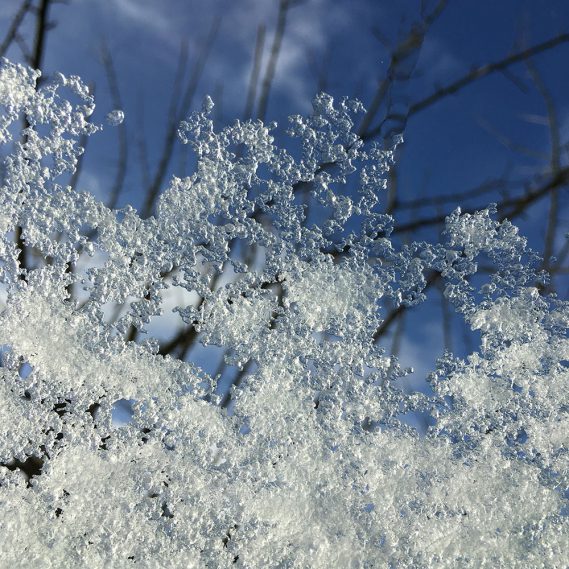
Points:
(284, 6)
(475, 75)
(408, 47)
(488, 69)
(555, 163)
(509, 207)
(490, 186)
(35, 62)
(154, 188)
(14, 27)
(40, 36)
(255, 72)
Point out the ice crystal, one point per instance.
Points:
(313, 467)
(115, 117)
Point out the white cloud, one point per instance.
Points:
(438, 62)
(149, 15)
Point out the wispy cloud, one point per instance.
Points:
(147, 14)
(437, 62)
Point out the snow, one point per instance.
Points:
(312, 468)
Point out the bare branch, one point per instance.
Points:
(284, 6)
(255, 72)
(509, 207)
(475, 75)
(511, 144)
(398, 312)
(35, 61)
(154, 188)
(122, 158)
(488, 69)
(14, 26)
(555, 163)
(406, 51)
(40, 37)
(490, 186)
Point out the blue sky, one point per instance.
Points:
(454, 146)
(448, 149)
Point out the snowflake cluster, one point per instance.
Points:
(313, 467)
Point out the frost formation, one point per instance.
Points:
(115, 117)
(314, 466)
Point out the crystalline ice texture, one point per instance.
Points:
(312, 467)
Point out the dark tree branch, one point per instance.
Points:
(490, 186)
(42, 26)
(555, 163)
(471, 77)
(485, 70)
(406, 52)
(12, 33)
(509, 207)
(284, 6)
(35, 62)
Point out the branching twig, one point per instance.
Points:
(14, 27)
(475, 75)
(407, 48)
(122, 158)
(154, 188)
(510, 207)
(555, 164)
